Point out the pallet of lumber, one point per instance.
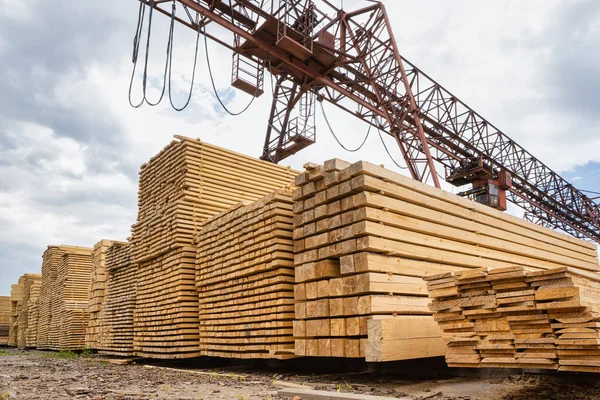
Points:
(52, 295)
(97, 293)
(365, 237)
(70, 304)
(189, 181)
(515, 317)
(50, 261)
(16, 307)
(245, 280)
(4, 319)
(28, 318)
(166, 310)
(116, 318)
(185, 184)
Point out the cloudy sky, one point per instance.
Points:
(71, 146)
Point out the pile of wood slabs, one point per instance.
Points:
(116, 318)
(510, 317)
(28, 318)
(70, 313)
(181, 187)
(50, 260)
(96, 293)
(189, 181)
(4, 319)
(364, 238)
(245, 280)
(16, 306)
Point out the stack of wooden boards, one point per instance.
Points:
(351, 300)
(63, 301)
(245, 280)
(4, 319)
(70, 314)
(16, 306)
(509, 317)
(116, 319)
(96, 293)
(182, 186)
(28, 319)
(50, 260)
(365, 237)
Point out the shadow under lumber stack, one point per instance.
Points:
(4, 319)
(245, 280)
(96, 293)
(29, 316)
(182, 186)
(116, 319)
(16, 306)
(511, 317)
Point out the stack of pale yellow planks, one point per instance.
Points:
(510, 317)
(355, 299)
(50, 260)
(62, 296)
(181, 187)
(365, 236)
(70, 313)
(116, 317)
(96, 293)
(16, 306)
(28, 319)
(245, 280)
(4, 319)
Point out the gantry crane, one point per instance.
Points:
(318, 52)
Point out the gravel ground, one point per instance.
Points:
(35, 375)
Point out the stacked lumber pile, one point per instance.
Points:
(511, 317)
(366, 236)
(28, 318)
(188, 182)
(96, 293)
(16, 306)
(50, 260)
(116, 318)
(53, 295)
(4, 319)
(245, 280)
(70, 300)
(182, 186)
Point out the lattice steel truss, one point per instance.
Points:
(354, 63)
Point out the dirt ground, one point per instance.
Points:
(35, 375)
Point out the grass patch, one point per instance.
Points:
(86, 352)
(2, 352)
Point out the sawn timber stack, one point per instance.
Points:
(66, 275)
(16, 306)
(245, 280)
(4, 319)
(116, 318)
(366, 236)
(28, 320)
(182, 186)
(96, 293)
(511, 317)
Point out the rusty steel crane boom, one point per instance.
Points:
(318, 52)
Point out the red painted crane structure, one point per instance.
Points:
(316, 51)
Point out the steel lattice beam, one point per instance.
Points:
(363, 73)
